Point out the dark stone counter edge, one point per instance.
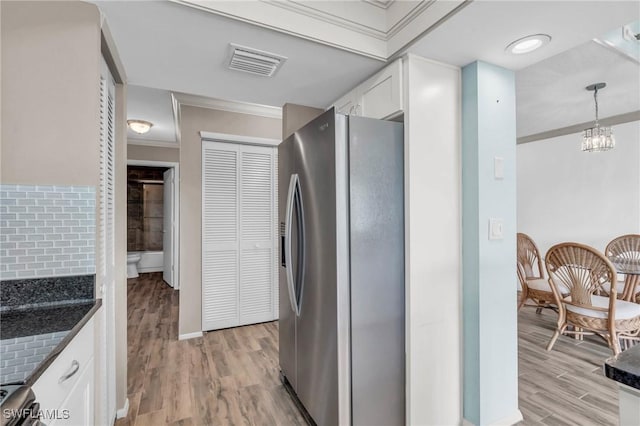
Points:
(63, 344)
(617, 372)
(37, 291)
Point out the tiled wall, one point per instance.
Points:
(47, 231)
(20, 356)
(144, 208)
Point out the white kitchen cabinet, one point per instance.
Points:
(78, 407)
(347, 103)
(66, 389)
(378, 97)
(381, 95)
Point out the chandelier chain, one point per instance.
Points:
(595, 98)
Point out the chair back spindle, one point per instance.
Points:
(624, 248)
(581, 269)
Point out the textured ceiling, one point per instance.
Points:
(152, 105)
(170, 46)
(551, 94)
(166, 47)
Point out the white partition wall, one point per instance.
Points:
(432, 242)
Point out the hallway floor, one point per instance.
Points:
(230, 377)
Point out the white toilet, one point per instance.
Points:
(132, 265)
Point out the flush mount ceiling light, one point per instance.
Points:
(528, 44)
(597, 138)
(139, 126)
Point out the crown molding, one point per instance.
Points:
(179, 99)
(379, 33)
(150, 142)
(577, 128)
(330, 18)
(292, 22)
(238, 139)
(377, 38)
(408, 18)
(175, 106)
(331, 26)
(382, 4)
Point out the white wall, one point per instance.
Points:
(565, 194)
(50, 97)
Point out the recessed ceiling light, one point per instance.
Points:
(528, 44)
(139, 126)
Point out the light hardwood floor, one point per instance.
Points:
(565, 386)
(230, 377)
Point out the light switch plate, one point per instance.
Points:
(498, 167)
(496, 229)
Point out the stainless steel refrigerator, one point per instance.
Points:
(341, 215)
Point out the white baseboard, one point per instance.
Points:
(122, 413)
(505, 421)
(190, 335)
(150, 269)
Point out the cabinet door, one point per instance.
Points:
(78, 407)
(381, 95)
(50, 391)
(348, 103)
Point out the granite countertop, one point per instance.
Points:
(38, 318)
(35, 337)
(625, 368)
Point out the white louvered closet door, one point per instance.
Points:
(106, 258)
(239, 245)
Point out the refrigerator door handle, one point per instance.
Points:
(293, 183)
(299, 283)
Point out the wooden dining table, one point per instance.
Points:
(631, 270)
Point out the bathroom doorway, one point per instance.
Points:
(152, 219)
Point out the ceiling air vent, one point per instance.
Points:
(254, 61)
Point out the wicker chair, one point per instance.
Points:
(626, 247)
(531, 275)
(584, 271)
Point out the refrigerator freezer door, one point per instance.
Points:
(316, 329)
(377, 271)
(287, 316)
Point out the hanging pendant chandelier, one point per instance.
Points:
(597, 138)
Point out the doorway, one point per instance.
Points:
(152, 219)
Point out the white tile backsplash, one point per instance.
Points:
(47, 231)
(21, 355)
